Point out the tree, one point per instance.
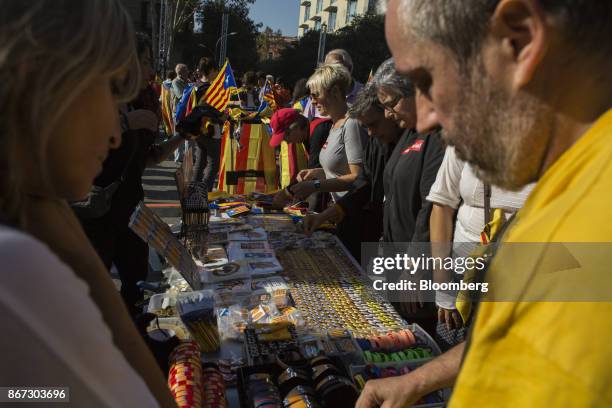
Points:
(299, 60)
(241, 48)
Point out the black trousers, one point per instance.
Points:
(207, 152)
(117, 245)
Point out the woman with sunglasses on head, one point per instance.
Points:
(70, 64)
(341, 156)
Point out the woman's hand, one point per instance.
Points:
(280, 199)
(303, 189)
(310, 174)
(312, 222)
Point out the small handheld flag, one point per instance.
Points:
(218, 95)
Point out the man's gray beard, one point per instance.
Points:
(497, 135)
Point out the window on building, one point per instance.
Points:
(331, 22)
(306, 13)
(319, 6)
(351, 11)
(317, 25)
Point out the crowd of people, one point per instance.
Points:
(491, 122)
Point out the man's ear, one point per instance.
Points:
(520, 29)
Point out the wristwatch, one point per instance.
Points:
(317, 184)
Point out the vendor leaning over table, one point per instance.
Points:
(367, 195)
(493, 72)
(341, 156)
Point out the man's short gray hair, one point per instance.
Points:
(178, 67)
(342, 57)
(366, 99)
(460, 25)
(387, 77)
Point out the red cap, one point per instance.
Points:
(281, 119)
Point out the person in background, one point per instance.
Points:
(167, 104)
(340, 56)
(513, 57)
(248, 95)
(458, 217)
(207, 149)
(282, 95)
(290, 134)
(63, 321)
(110, 234)
(300, 95)
(408, 176)
(261, 79)
(179, 84)
(367, 197)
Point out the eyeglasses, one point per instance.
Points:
(392, 103)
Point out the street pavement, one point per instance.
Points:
(160, 191)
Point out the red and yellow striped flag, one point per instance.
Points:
(218, 95)
(253, 163)
(293, 158)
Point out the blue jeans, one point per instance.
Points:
(206, 152)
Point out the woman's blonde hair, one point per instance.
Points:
(328, 75)
(50, 51)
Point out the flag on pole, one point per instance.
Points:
(218, 95)
(267, 97)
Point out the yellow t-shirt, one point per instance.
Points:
(550, 354)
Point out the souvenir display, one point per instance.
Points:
(155, 232)
(320, 382)
(257, 234)
(185, 376)
(362, 374)
(327, 289)
(303, 329)
(194, 204)
(213, 387)
(197, 311)
(297, 240)
(265, 341)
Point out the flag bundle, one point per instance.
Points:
(166, 108)
(218, 95)
(251, 163)
(293, 158)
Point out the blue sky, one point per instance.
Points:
(278, 14)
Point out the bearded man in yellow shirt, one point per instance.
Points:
(523, 89)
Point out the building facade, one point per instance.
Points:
(335, 14)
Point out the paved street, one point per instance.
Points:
(160, 191)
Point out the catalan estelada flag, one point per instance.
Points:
(293, 158)
(166, 108)
(218, 95)
(268, 97)
(249, 165)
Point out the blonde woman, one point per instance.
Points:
(341, 156)
(68, 64)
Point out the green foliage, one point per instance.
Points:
(241, 48)
(364, 39)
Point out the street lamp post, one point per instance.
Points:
(322, 38)
(217, 45)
